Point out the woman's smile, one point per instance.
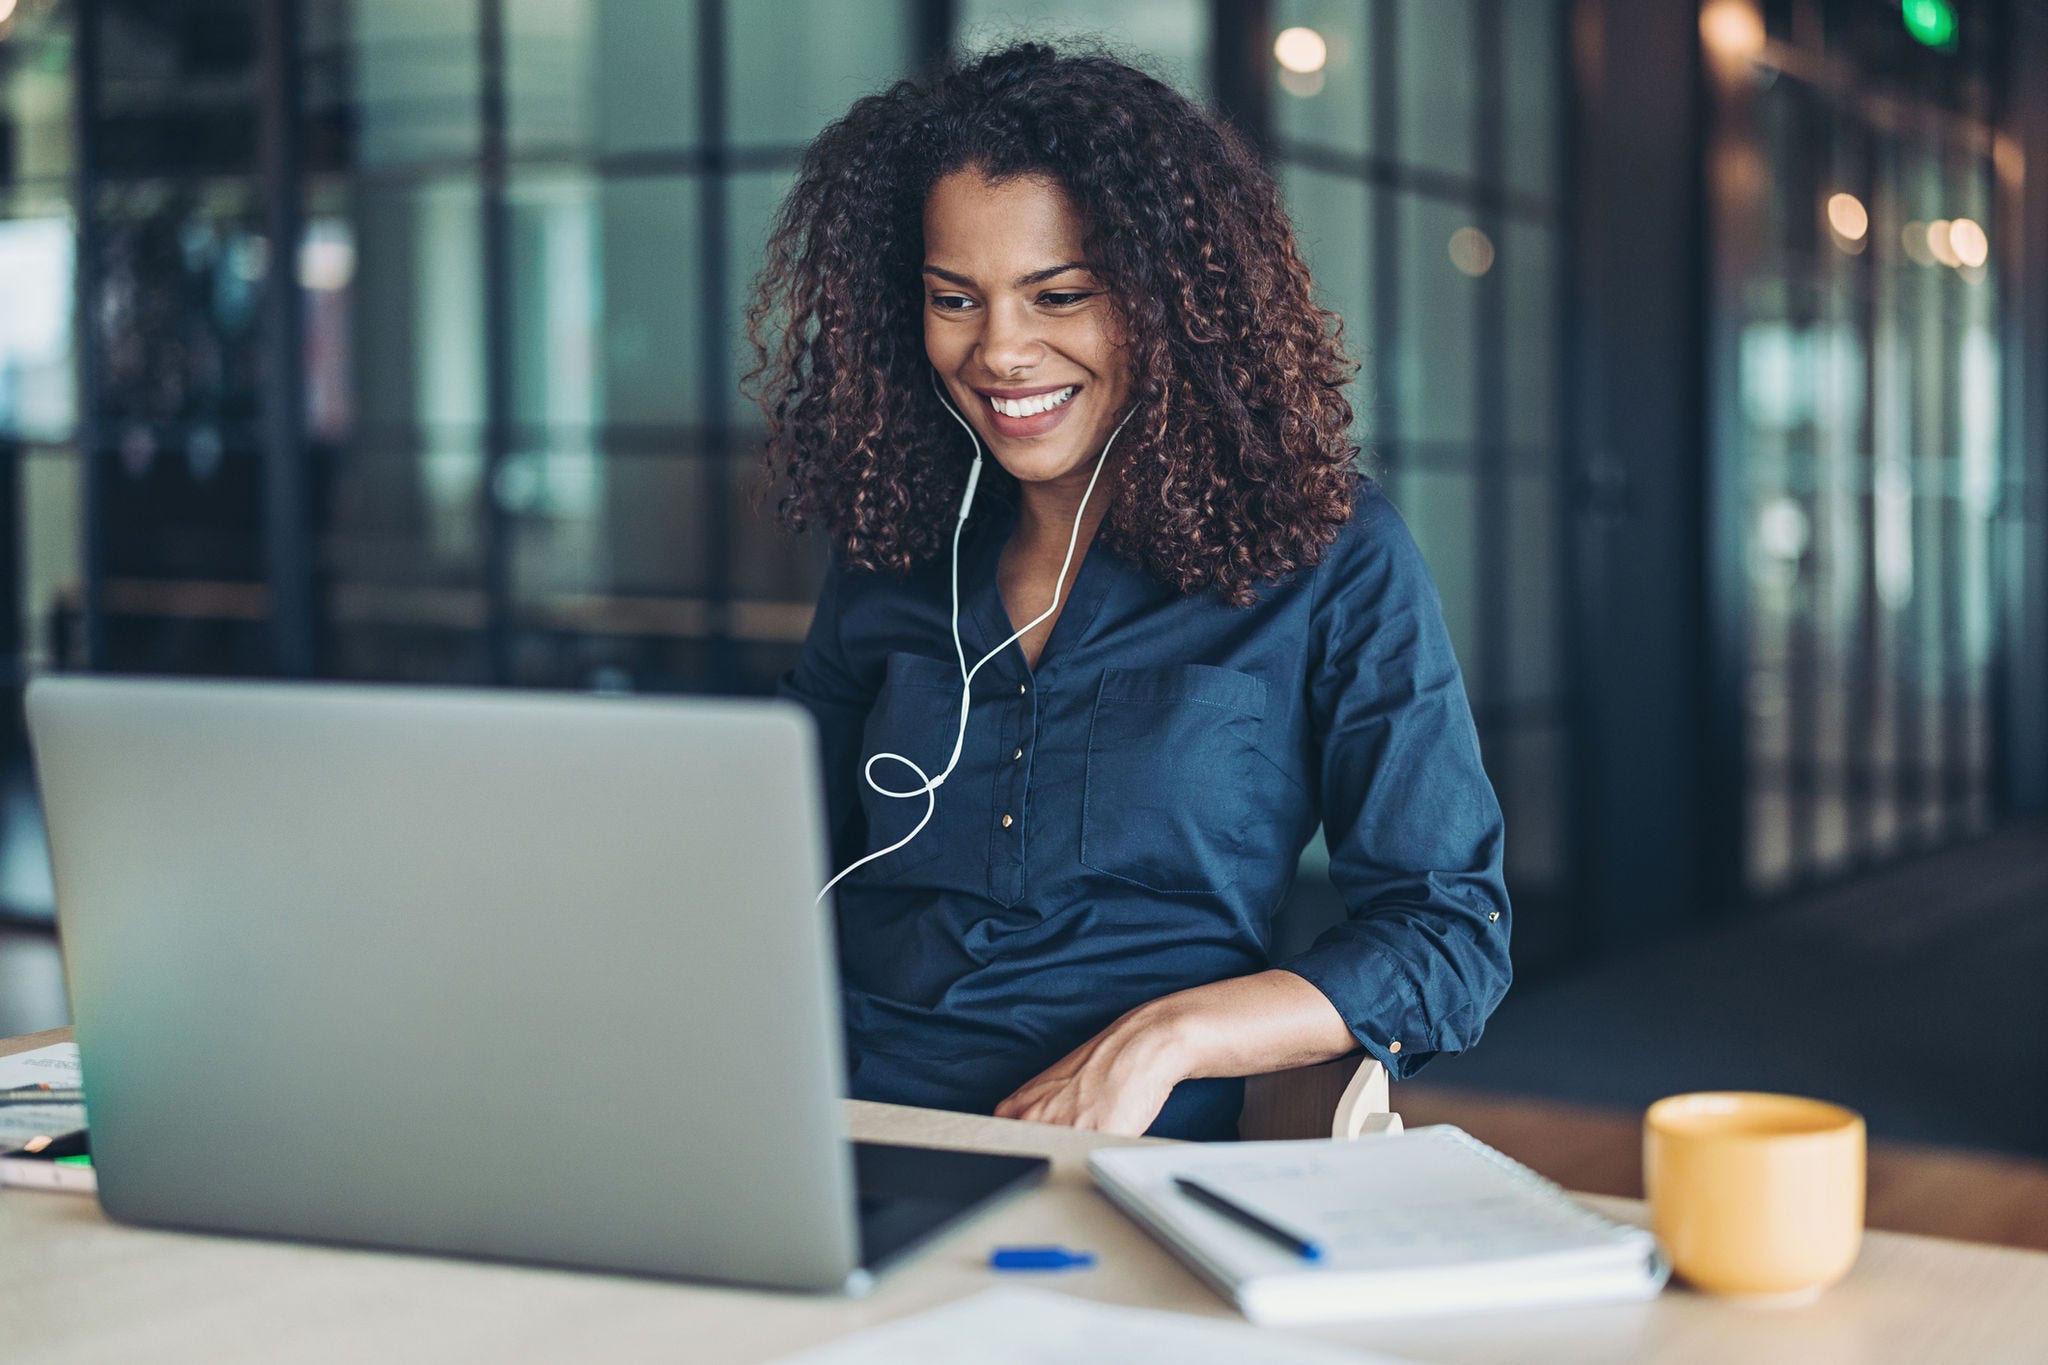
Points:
(1036, 415)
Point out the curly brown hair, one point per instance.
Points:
(1240, 469)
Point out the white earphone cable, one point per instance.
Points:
(931, 784)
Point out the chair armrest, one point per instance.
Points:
(1365, 1108)
(1345, 1098)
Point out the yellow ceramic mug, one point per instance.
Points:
(1755, 1194)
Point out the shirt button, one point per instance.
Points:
(1022, 688)
(1006, 822)
(1020, 753)
(1394, 1046)
(1492, 915)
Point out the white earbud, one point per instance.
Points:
(931, 784)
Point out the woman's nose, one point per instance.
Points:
(1010, 342)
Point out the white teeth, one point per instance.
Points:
(1029, 407)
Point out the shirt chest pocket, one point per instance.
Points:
(1173, 770)
(916, 714)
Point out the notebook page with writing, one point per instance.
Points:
(1421, 1222)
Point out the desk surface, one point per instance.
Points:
(77, 1289)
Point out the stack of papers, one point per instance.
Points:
(1428, 1221)
(53, 1065)
(1032, 1327)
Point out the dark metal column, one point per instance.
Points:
(1240, 67)
(1638, 607)
(2021, 676)
(497, 282)
(85, 337)
(715, 497)
(287, 501)
(932, 33)
(1383, 267)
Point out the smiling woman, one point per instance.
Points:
(1198, 631)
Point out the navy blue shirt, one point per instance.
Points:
(1126, 819)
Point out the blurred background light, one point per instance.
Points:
(1300, 50)
(1847, 216)
(1932, 22)
(1471, 251)
(1938, 245)
(1967, 240)
(1732, 29)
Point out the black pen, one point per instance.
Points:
(1238, 1213)
(42, 1094)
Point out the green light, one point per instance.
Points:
(1932, 22)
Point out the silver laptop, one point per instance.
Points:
(512, 975)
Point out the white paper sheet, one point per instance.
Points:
(1016, 1326)
(56, 1064)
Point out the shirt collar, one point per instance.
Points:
(981, 596)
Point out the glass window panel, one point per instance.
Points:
(753, 199)
(416, 295)
(555, 287)
(1532, 100)
(550, 75)
(651, 329)
(772, 569)
(181, 272)
(1535, 567)
(38, 393)
(36, 94)
(1437, 347)
(1331, 107)
(1439, 86)
(1528, 261)
(51, 552)
(1442, 511)
(409, 516)
(1529, 766)
(415, 81)
(1333, 224)
(630, 528)
(1168, 37)
(603, 76)
(794, 67)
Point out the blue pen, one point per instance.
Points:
(1039, 1258)
(1244, 1217)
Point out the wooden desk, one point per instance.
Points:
(79, 1290)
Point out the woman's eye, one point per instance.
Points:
(1065, 299)
(944, 302)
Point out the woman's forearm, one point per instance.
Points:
(1248, 1025)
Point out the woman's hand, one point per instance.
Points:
(1116, 1082)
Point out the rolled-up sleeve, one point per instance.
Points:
(1413, 827)
(827, 683)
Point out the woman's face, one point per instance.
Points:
(1013, 313)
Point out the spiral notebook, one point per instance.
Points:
(1427, 1221)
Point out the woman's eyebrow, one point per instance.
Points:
(1023, 281)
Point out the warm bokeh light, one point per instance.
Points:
(6, 10)
(1847, 216)
(1938, 244)
(1297, 49)
(1471, 251)
(1969, 243)
(1732, 28)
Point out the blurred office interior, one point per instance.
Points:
(1705, 350)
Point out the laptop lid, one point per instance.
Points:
(514, 975)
